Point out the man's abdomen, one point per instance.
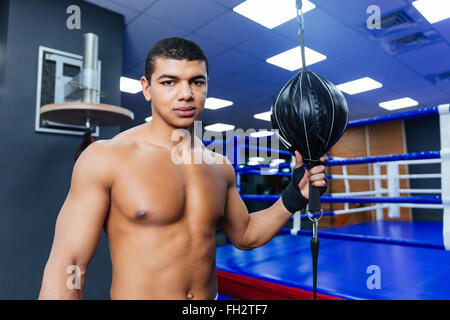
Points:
(163, 263)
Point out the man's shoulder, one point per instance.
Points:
(99, 161)
(109, 147)
(223, 164)
(104, 155)
(220, 159)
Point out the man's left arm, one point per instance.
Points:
(248, 231)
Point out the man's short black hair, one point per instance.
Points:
(173, 48)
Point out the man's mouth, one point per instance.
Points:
(185, 111)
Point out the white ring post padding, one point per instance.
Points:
(297, 225)
(346, 184)
(393, 187)
(377, 183)
(444, 121)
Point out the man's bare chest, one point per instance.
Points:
(154, 190)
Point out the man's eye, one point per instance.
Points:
(168, 82)
(199, 83)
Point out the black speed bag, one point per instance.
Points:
(311, 115)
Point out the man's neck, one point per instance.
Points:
(167, 136)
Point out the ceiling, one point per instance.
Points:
(237, 48)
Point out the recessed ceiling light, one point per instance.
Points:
(360, 85)
(292, 59)
(270, 13)
(148, 119)
(219, 127)
(214, 103)
(130, 85)
(398, 104)
(261, 133)
(263, 115)
(433, 10)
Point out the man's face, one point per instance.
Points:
(177, 90)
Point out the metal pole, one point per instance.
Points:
(90, 73)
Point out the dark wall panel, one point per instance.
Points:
(422, 134)
(36, 167)
(4, 9)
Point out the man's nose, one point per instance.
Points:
(185, 92)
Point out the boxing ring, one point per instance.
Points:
(378, 259)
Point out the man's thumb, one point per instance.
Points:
(298, 159)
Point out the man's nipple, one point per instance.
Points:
(141, 214)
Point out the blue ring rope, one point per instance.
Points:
(330, 199)
(387, 158)
(396, 116)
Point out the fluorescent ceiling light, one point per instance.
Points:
(253, 163)
(148, 119)
(360, 85)
(263, 115)
(214, 103)
(292, 59)
(398, 104)
(433, 10)
(130, 85)
(271, 13)
(261, 133)
(219, 127)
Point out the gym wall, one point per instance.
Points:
(422, 134)
(405, 136)
(36, 167)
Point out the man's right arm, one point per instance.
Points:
(79, 225)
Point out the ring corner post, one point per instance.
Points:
(444, 122)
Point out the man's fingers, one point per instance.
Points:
(321, 183)
(323, 159)
(316, 177)
(316, 170)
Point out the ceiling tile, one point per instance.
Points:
(266, 72)
(232, 82)
(231, 60)
(443, 27)
(138, 5)
(210, 47)
(266, 45)
(128, 13)
(231, 28)
(428, 60)
(228, 3)
(141, 34)
(185, 14)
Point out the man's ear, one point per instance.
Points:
(146, 88)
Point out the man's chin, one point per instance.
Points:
(184, 122)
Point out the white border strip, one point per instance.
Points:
(444, 121)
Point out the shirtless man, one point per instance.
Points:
(160, 217)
